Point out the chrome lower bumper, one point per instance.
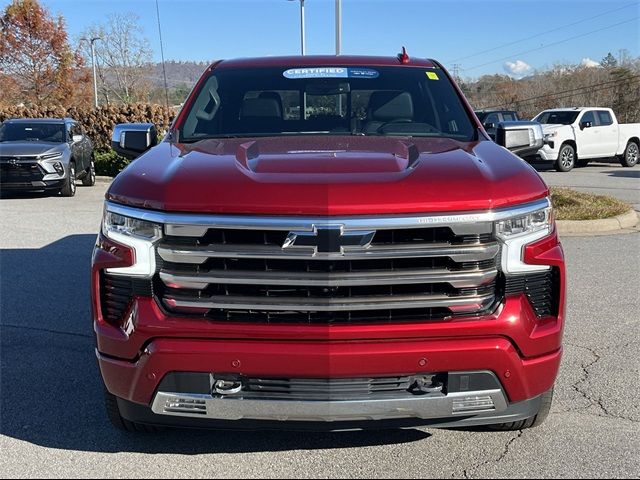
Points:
(455, 404)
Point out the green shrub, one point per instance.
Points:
(108, 162)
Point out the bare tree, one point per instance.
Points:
(123, 57)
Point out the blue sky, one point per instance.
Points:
(452, 31)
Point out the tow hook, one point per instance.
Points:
(227, 387)
(426, 384)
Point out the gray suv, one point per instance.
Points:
(45, 154)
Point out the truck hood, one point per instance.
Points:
(9, 149)
(327, 175)
(552, 127)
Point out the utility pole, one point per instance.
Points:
(456, 71)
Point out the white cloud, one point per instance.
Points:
(518, 68)
(587, 62)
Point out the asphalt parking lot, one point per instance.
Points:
(52, 422)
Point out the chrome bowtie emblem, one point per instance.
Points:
(329, 239)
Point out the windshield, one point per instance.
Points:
(403, 101)
(557, 117)
(32, 132)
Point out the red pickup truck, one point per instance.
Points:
(327, 243)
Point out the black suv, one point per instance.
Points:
(45, 154)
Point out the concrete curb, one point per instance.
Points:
(103, 179)
(605, 226)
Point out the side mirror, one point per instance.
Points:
(584, 125)
(489, 126)
(132, 139)
(77, 138)
(521, 138)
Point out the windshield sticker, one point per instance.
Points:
(331, 72)
(432, 76)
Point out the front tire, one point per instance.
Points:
(630, 156)
(531, 422)
(69, 188)
(89, 180)
(113, 413)
(566, 158)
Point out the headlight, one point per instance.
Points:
(550, 135)
(50, 156)
(516, 232)
(138, 234)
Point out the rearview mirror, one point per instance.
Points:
(132, 139)
(521, 138)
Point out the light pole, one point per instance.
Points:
(338, 26)
(93, 66)
(301, 25)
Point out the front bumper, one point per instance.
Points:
(520, 349)
(30, 176)
(33, 186)
(512, 413)
(548, 153)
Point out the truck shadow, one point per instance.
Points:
(50, 382)
(623, 173)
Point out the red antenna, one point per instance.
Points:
(403, 57)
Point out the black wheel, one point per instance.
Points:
(69, 188)
(113, 412)
(630, 156)
(530, 422)
(566, 158)
(89, 180)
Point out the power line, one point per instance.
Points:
(164, 71)
(542, 33)
(552, 44)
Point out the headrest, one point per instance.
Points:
(261, 107)
(390, 105)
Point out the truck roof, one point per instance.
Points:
(574, 109)
(39, 120)
(324, 60)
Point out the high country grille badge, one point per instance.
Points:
(329, 239)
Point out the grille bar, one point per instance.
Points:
(199, 281)
(200, 254)
(462, 303)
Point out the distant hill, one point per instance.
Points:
(179, 73)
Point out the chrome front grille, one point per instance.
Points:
(246, 273)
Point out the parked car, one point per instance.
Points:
(45, 154)
(573, 136)
(373, 260)
(491, 118)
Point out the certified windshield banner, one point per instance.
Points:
(331, 72)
